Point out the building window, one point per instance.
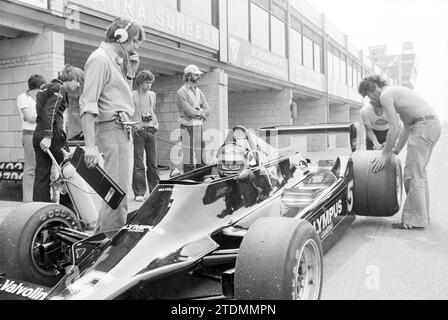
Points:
(317, 58)
(259, 26)
(350, 74)
(239, 18)
(343, 68)
(336, 66)
(278, 36)
(308, 53)
(330, 74)
(202, 10)
(296, 46)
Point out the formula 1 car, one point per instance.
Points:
(255, 225)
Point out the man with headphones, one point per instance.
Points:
(106, 105)
(193, 111)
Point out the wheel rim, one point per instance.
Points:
(47, 252)
(307, 272)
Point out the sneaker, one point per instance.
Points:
(139, 198)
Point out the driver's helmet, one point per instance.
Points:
(232, 159)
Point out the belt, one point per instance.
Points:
(420, 119)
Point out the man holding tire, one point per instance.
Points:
(421, 131)
(376, 126)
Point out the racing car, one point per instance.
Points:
(254, 225)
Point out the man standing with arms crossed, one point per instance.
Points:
(421, 131)
(193, 111)
(107, 98)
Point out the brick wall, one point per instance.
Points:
(214, 86)
(19, 59)
(254, 110)
(355, 117)
(309, 112)
(340, 113)
(259, 109)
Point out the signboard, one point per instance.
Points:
(306, 77)
(247, 56)
(338, 89)
(37, 3)
(156, 16)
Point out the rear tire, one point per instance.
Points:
(279, 259)
(376, 194)
(24, 231)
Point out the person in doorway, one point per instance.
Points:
(51, 102)
(376, 126)
(106, 107)
(144, 142)
(193, 112)
(421, 131)
(26, 103)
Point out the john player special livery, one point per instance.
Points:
(255, 225)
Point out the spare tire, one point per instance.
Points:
(28, 252)
(376, 194)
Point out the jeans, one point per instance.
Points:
(423, 137)
(144, 142)
(41, 188)
(381, 136)
(115, 144)
(29, 168)
(192, 147)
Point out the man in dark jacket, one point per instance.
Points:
(51, 103)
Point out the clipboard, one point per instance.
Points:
(98, 180)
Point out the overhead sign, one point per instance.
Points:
(247, 56)
(306, 77)
(156, 16)
(37, 3)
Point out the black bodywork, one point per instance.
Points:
(188, 232)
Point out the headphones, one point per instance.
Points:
(121, 35)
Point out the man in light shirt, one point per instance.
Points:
(193, 112)
(26, 103)
(376, 126)
(107, 99)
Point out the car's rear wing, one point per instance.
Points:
(321, 128)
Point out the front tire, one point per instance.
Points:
(24, 234)
(279, 259)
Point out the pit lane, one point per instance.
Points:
(372, 261)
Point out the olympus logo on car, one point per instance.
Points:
(325, 220)
(21, 290)
(165, 189)
(137, 228)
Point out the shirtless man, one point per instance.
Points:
(421, 130)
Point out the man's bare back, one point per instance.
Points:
(408, 103)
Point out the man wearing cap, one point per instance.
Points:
(193, 111)
(421, 131)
